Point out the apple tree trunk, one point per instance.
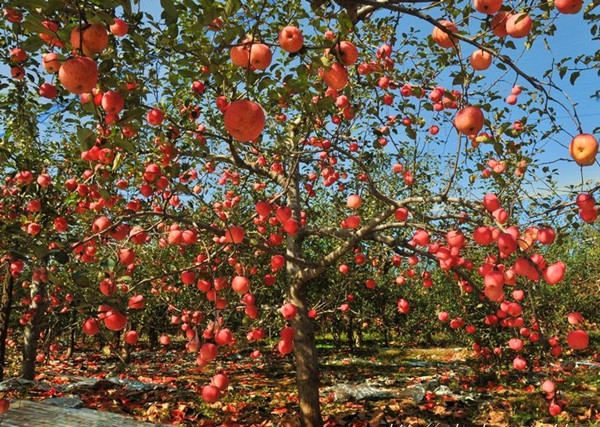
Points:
(305, 353)
(5, 309)
(32, 330)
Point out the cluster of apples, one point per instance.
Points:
(245, 120)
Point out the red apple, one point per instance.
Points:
(488, 7)
(583, 149)
(78, 75)
(290, 39)
(518, 25)
(94, 40)
(469, 120)
(244, 120)
(443, 39)
(119, 28)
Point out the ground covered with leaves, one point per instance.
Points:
(370, 386)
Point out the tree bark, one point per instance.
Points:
(71, 348)
(305, 353)
(305, 349)
(5, 309)
(32, 330)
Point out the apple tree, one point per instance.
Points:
(219, 158)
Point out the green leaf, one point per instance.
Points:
(32, 43)
(60, 256)
(40, 251)
(80, 278)
(108, 264)
(231, 7)
(170, 12)
(86, 138)
(574, 77)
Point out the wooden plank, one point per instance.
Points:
(25, 413)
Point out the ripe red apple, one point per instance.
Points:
(48, 90)
(491, 202)
(285, 347)
(583, 149)
(546, 236)
(291, 39)
(347, 52)
(518, 25)
(115, 320)
(240, 284)
(354, 201)
(498, 24)
(131, 337)
(482, 236)
(401, 214)
(554, 409)
(554, 273)
(240, 55)
(155, 116)
(335, 77)
(126, 256)
(263, 208)
(421, 237)
(244, 120)
(136, 302)
(469, 120)
(224, 337)
(548, 386)
(210, 393)
(574, 318)
(78, 75)
(208, 352)
(578, 339)
(18, 55)
(94, 40)
(100, 224)
(585, 201)
(220, 381)
(488, 7)
(51, 62)
(519, 364)
(119, 28)
(515, 344)
(188, 277)
(260, 56)
(568, 6)
(480, 60)
(443, 39)
(288, 311)
(113, 102)
(90, 326)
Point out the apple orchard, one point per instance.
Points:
(200, 171)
